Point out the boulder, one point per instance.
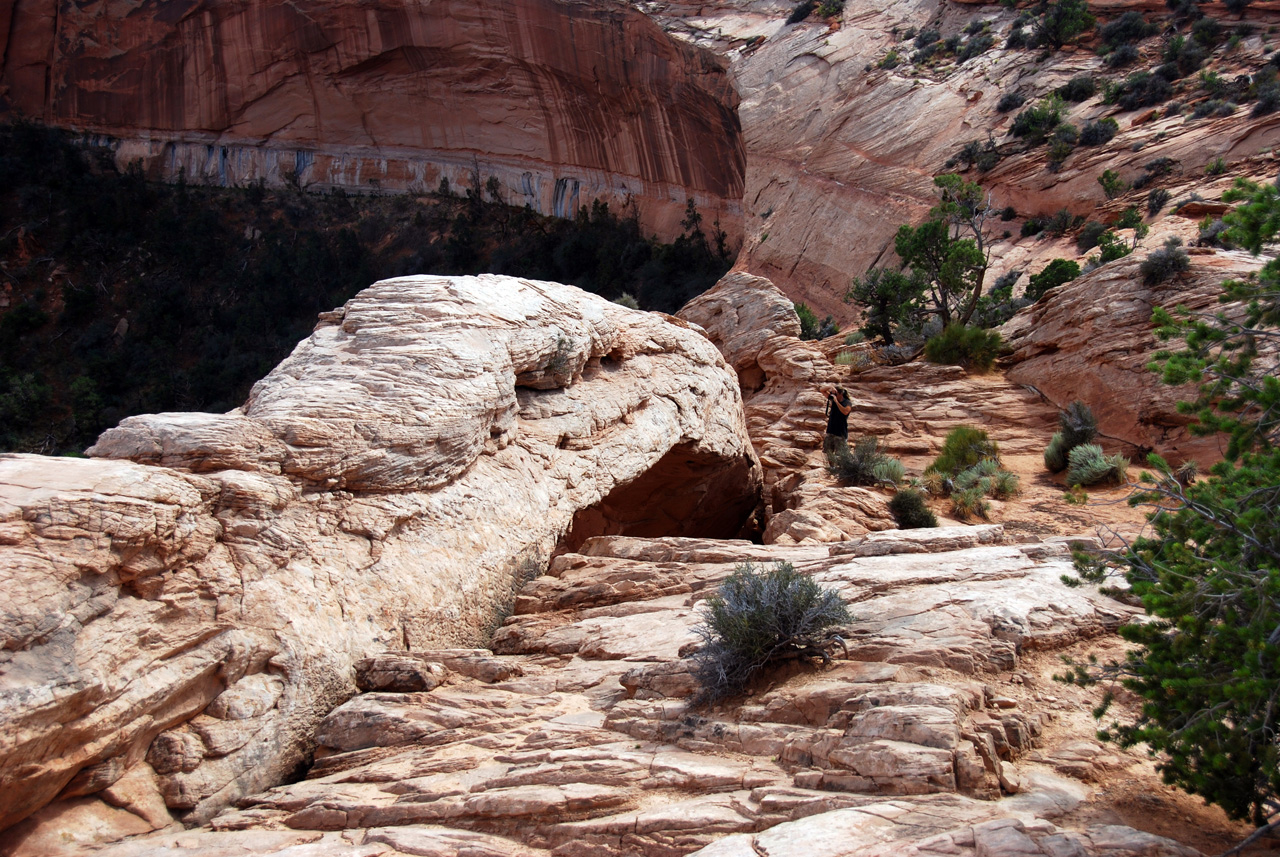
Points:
(197, 593)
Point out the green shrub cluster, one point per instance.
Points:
(1088, 465)
(961, 345)
(911, 510)
(1056, 273)
(968, 470)
(759, 616)
(1076, 427)
(864, 463)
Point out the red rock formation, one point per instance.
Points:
(562, 101)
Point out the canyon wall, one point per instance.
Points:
(183, 607)
(562, 101)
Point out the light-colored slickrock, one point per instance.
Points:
(561, 101)
(592, 750)
(1092, 339)
(185, 618)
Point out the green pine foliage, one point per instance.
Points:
(756, 617)
(1208, 569)
(1056, 273)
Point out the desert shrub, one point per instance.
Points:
(811, 328)
(830, 8)
(1077, 424)
(888, 471)
(926, 38)
(1054, 274)
(1187, 55)
(1088, 237)
(1156, 200)
(1268, 100)
(1076, 427)
(960, 345)
(1037, 122)
(756, 617)
(857, 465)
(1130, 218)
(970, 503)
(1088, 465)
(910, 510)
(1128, 28)
(1113, 247)
(1213, 233)
(1122, 56)
(1061, 21)
(1214, 107)
(1010, 101)
(1055, 454)
(1005, 484)
(1207, 32)
(1062, 222)
(890, 60)
(1077, 89)
(801, 11)
(963, 447)
(1166, 262)
(1017, 38)
(1143, 89)
(984, 154)
(976, 46)
(627, 300)
(1100, 132)
(1216, 167)
(1031, 226)
(1112, 184)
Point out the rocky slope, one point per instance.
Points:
(184, 607)
(578, 738)
(841, 151)
(560, 101)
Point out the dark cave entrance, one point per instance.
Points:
(687, 493)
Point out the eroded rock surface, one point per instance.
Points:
(1092, 339)
(183, 608)
(593, 749)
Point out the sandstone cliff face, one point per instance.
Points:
(1092, 339)
(184, 607)
(563, 101)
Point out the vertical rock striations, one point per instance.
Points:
(562, 101)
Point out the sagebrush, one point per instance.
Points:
(759, 616)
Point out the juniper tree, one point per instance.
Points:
(1208, 570)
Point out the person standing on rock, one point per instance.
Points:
(838, 407)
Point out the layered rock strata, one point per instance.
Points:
(579, 738)
(561, 101)
(184, 607)
(1092, 339)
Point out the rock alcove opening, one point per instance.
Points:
(687, 493)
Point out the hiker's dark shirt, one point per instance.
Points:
(837, 422)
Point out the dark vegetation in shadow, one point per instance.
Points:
(121, 296)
